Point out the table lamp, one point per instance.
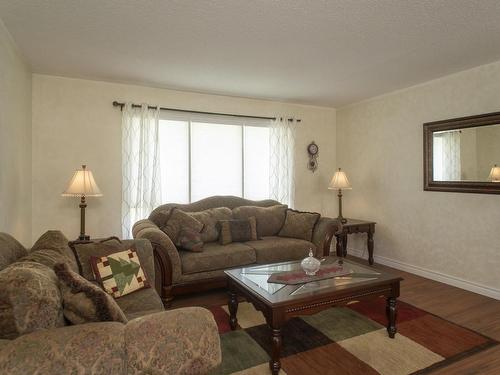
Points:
(340, 182)
(494, 174)
(82, 185)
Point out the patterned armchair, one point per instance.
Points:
(35, 338)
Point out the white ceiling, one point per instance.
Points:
(308, 51)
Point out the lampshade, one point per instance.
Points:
(339, 181)
(494, 174)
(82, 184)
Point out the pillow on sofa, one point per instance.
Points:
(85, 302)
(178, 221)
(52, 248)
(85, 250)
(210, 218)
(30, 299)
(190, 240)
(119, 273)
(269, 219)
(238, 230)
(299, 224)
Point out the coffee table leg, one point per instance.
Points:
(370, 247)
(276, 340)
(391, 316)
(233, 309)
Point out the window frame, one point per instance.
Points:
(191, 118)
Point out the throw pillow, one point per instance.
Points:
(83, 301)
(190, 240)
(269, 219)
(238, 230)
(299, 224)
(178, 221)
(85, 250)
(119, 273)
(210, 218)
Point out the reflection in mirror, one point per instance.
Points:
(467, 154)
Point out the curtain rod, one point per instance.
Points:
(121, 105)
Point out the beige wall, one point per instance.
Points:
(380, 146)
(74, 123)
(15, 141)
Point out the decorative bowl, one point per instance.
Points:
(310, 265)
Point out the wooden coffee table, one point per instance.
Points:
(279, 302)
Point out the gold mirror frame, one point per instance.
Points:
(479, 187)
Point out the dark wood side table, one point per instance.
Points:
(355, 226)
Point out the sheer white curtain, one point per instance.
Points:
(447, 163)
(281, 163)
(141, 186)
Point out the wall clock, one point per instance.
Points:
(313, 151)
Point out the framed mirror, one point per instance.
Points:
(463, 154)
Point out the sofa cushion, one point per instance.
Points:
(84, 301)
(140, 303)
(269, 219)
(10, 250)
(238, 230)
(52, 248)
(299, 224)
(210, 218)
(84, 250)
(94, 348)
(217, 257)
(279, 249)
(178, 221)
(30, 299)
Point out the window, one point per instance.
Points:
(203, 156)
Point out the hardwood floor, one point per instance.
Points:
(471, 310)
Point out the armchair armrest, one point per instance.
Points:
(166, 255)
(323, 234)
(84, 348)
(181, 341)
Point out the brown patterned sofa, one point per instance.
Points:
(35, 338)
(181, 272)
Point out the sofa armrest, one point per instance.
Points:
(166, 253)
(323, 234)
(181, 341)
(93, 348)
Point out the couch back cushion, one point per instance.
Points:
(52, 248)
(210, 219)
(161, 213)
(269, 219)
(29, 299)
(10, 250)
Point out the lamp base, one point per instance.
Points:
(342, 220)
(84, 238)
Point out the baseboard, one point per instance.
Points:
(433, 275)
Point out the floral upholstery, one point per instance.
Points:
(30, 299)
(11, 250)
(180, 341)
(140, 303)
(52, 248)
(183, 341)
(216, 257)
(94, 348)
(269, 219)
(277, 249)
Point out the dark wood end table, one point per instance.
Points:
(279, 303)
(355, 226)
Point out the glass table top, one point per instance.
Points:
(256, 277)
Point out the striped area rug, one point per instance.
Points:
(346, 340)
